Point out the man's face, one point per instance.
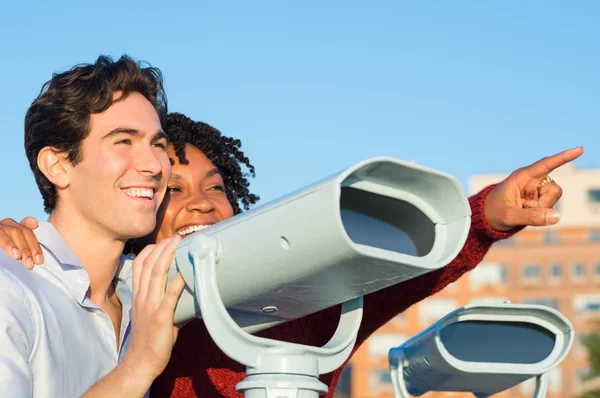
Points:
(121, 181)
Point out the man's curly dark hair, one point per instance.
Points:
(224, 152)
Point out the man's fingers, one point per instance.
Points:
(148, 267)
(172, 294)
(138, 265)
(545, 166)
(158, 281)
(170, 301)
(538, 217)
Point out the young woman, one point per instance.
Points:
(208, 185)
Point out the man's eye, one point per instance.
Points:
(174, 188)
(217, 188)
(161, 145)
(125, 141)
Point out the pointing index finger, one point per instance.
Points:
(545, 166)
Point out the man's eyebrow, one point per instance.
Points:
(160, 134)
(123, 130)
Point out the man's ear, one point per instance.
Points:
(55, 166)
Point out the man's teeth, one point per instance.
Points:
(140, 193)
(192, 229)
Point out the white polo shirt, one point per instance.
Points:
(54, 341)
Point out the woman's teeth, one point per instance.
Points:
(191, 229)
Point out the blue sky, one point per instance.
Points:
(311, 87)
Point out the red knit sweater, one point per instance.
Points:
(198, 368)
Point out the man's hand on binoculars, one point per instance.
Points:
(527, 196)
(153, 306)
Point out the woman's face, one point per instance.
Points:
(195, 197)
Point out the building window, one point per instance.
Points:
(486, 275)
(594, 196)
(381, 343)
(594, 200)
(432, 309)
(551, 237)
(380, 378)
(578, 270)
(503, 274)
(506, 242)
(593, 307)
(548, 302)
(531, 271)
(344, 387)
(586, 304)
(556, 270)
(594, 235)
(488, 300)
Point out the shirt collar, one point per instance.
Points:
(62, 262)
(123, 281)
(53, 241)
(67, 265)
(124, 271)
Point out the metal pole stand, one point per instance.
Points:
(274, 369)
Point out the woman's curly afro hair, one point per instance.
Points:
(224, 152)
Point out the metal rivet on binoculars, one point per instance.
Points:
(269, 309)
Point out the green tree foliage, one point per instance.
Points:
(592, 344)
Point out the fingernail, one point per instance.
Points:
(29, 262)
(552, 217)
(38, 258)
(16, 253)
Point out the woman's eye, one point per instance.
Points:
(217, 188)
(174, 188)
(161, 145)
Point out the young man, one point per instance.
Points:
(94, 142)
